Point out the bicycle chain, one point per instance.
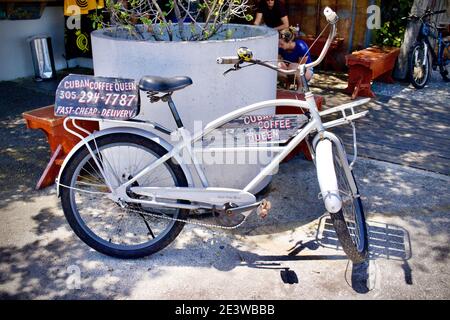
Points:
(201, 224)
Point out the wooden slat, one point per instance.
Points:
(437, 130)
(405, 145)
(413, 133)
(386, 114)
(393, 155)
(388, 131)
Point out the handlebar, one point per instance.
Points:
(228, 60)
(332, 19)
(427, 13)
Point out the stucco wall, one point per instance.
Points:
(210, 96)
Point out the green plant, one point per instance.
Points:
(393, 26)
(186, 20)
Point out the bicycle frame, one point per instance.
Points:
(187, 143)
(315, 125)
(424, 34)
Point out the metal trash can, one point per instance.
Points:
(42, 54)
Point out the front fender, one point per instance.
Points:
(136, 131)
(327, 176)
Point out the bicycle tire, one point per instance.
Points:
(354, 246)
(72, 175)
(444, 68)
(416, 69)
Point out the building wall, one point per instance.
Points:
(351, 26)
(15, 52)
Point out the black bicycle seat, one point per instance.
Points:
(162, 84)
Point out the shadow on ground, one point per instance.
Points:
(44, 269)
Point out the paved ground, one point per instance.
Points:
(405, 126)
(290, 255)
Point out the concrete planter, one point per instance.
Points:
(212, 95)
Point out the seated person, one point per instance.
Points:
(291, 53)
(273, 14)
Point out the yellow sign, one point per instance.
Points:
(82, 6)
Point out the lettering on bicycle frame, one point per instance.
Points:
(251, 130)
(97, 97)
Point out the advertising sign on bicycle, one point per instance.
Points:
(253, 129)
(97, 97)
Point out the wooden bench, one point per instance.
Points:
(59, 140)
(373, 63)
(286, 94)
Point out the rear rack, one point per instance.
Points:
(128, 122)
(347, 111)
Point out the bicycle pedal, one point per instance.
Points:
(264, 209)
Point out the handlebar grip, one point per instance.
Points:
(439, 12)
(228, 60)
(331, 16)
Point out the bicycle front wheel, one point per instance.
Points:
(419, 66)
(122, 230)
(349, 223)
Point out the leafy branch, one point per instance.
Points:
(163, 19)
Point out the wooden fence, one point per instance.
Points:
(352, 24)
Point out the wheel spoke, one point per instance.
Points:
(148, 227)
(351, 211)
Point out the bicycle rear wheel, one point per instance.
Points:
(349, 223)
(445, 67)
(122, 230)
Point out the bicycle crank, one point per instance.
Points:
(263, 207)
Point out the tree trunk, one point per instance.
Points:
(412, 30)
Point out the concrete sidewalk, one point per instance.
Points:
(287, 256)
(290, 255)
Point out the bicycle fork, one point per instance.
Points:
(425, 58)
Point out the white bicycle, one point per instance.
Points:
(126, 192)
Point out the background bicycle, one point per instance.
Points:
(424, 57)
